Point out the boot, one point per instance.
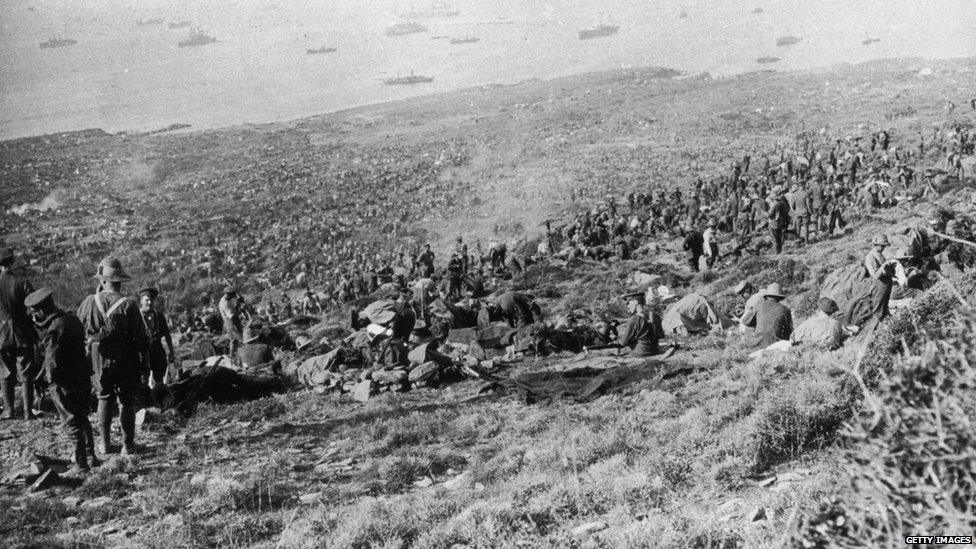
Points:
(105, 426)
(7, 388)
(127, 419)
(90, 445)
(80, 457)
(27, 391)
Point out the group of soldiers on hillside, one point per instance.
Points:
(116, 344)
(113, 342)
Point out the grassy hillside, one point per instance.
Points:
(708, 448)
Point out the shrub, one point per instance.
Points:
(796, 420)
(913, 459)
(927, 317)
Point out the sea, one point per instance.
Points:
(125, 76)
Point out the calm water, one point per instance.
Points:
(121, 76)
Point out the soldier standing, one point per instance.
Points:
(68, 372)
(117, 338)
(17, 338)
(158, 330)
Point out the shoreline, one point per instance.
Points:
(180, 127)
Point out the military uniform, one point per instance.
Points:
(68, 371)
(117, 339)
(17, 340)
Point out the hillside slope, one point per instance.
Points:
(708, 448)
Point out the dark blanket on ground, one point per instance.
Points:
(220, 385)
(580, 384)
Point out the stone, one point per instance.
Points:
(71, 501)
(730, 507)
(590, 528)
(425, 482)
(458, 482)
(71, 521)
(100, 501)
(390, 377)
(309, 499)
(363, 390)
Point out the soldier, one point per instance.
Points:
(17, 338)
(156, 359)
(779, 218)
(230, 312)
(117, 339)
(881, 271)
(68, 372)
(642, 330)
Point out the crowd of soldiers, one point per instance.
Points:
(812, 190)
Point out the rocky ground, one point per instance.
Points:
(708, 448)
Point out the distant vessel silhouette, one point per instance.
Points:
(152, 21)
(323, 49)
(683, 15)
(598, 31)
(767, 59)
(437, 9)
(197, 38)
(870, 41)
(57, 42)
(405, 28)
(786, 41)
(757, 10)
(181, 24)
(404, 80)
(465, 40)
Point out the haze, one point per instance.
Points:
(121, 76)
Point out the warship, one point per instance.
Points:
(465, 40)
(868, 41)
(178, 24)
(406, 80)
(786, 41)
(598, 31)
(152, 21)
(197, 38)
(323, 49)
(767, 59)
(757, 11)
(405, 28)
(57, 43)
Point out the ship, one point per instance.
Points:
(323, 49)
(197, 38)
(868, 41)
(152, 21)
(406, 80)
(786, 41)
(757, 11)
(465, 40)
(405, 28)
(178, 24)
(767, 59)
(683, 15)
(57, 43)
(598, 31)
(437, 9)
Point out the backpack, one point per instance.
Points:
(112, 342)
